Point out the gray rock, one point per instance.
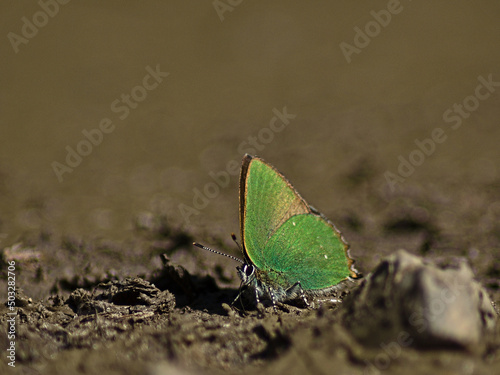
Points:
(407, 301)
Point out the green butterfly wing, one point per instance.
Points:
(267, 200)
(281, 232)
(307, 248)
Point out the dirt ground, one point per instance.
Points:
(110, 168)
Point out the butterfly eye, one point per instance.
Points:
(248, 269)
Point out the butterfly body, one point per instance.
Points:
(269, 284)
(291, 250)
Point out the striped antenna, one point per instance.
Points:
(233, 236)
(217, 252)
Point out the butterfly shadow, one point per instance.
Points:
(193, 291)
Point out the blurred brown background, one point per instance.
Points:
(227, 72)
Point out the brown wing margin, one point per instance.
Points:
(243, 177)
(355, 274)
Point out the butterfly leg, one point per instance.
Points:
(297, 288)
(273, 298)
(257, 299)
(236, 298)
(303, 295)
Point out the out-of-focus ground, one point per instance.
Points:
(431, 71)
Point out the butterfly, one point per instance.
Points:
(290, 250)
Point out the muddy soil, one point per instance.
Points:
(110, 168)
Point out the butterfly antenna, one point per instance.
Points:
(217, 252)
(233, 236)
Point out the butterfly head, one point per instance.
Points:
(246, 273)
